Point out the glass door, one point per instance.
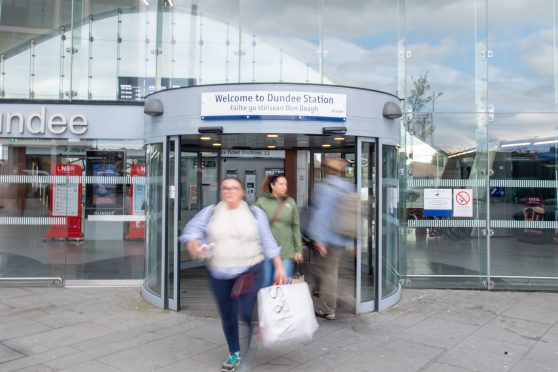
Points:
(366, 243)
(346, 292)
(198, 183)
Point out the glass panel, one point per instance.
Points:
(284, 50)
(368, 220)
(440, 37)
(74, 200)
(114, 209)
(154, 222)
(523, 195)
(522, 47)
(135, 47)
(199, 179)
(190, 202)
(31, 47)
(209, 179)
(32, 243)
(437, 166)
(390, 221)
(95, 40)
(360, 51)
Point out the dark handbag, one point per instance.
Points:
(243, 284)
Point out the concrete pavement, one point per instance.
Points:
(114, 329)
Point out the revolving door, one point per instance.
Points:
(184, 174)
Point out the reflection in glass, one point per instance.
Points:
(368, 221)
(390, 221)
(154, 222)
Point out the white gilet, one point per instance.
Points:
(236, 237)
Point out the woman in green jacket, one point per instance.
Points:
(282, 213)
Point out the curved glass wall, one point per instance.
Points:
(478, 82)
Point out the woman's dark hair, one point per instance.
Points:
(234, 179)
(271, 179)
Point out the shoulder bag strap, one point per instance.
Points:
(277, 211)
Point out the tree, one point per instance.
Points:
(421, 126)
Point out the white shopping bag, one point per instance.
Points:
(286, 314)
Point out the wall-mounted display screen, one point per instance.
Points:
(104, 194)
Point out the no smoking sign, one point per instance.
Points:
(462, 202)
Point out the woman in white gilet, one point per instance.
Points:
(240, 240)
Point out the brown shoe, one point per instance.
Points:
(327, 316)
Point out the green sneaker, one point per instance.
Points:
(231, 363)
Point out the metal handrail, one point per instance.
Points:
(54, 280)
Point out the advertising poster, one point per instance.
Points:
(104, 189)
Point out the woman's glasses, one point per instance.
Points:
(229, 189)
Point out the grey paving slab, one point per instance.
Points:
(387, 356)
(532, 311)
(546, 350)
(57, 318)
(439, 332)
(189, 365)
(527, 365)
(94, 353)
(37, 368)
(482, 354)
(56, 338)
(157, 354)
(37, 359)
(114, 329)
(443, 367)
(90, 366)
(515, 330)
(16, 326)
(7, 354)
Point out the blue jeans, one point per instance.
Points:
(229, 307)
(269, 271)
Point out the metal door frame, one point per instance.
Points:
(174, 301)
(368, 306)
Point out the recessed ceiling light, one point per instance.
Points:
(272, 135)
(339, 138)
(217, 144)
(271, 146)
(326, 145)
(205, 138)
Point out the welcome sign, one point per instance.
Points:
(273, 105)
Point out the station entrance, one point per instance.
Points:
(187, 157)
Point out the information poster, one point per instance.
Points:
(438, 202)
(65, 201)
(462, 202)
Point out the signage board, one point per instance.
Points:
(462, 202)
(270, 105)
(65, 201)
(438, 202)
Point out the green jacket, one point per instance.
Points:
(286, 228)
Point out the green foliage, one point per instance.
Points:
(421, 126)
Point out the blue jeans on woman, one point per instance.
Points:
(230, 307)
(269, 270)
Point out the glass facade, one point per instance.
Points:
(478, 82)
